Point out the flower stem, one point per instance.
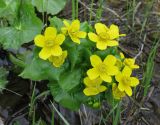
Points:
(99, 11)
(73, 10)
(76, 8)
(91, 10)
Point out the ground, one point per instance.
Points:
(140, 20)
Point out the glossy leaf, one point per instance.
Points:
(68, 100)
(50, 6)
(9, 9)
(56, 22)
(38, 69)
(24, 28)
(70, 79)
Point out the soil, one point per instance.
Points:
(137, 111)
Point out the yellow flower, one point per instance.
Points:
(125, 81)
(117, 94)
(130, 63)
(73, 30)
(104, 69)
(58, 60)
(121, 55)
(119, 62)
(93, 87)
(50, 43)
(105, 36)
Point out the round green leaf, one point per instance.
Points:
(24, 28)
(50, 6)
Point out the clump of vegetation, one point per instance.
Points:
(81, 62)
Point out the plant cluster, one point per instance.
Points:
(97, 67)
(81, 63)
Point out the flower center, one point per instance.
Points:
(103, 35)
(126, 80)
(49, 43)
(102, 68)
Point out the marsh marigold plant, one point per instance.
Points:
(94, 70)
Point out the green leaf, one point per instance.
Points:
(70, 79)
(25, 27)
(3, 78)
(38, 69)
(50, 6)
(9, 9)
(56, 22)
(68, 100)
(104, 53)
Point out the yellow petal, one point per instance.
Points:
(119, 77)
(100, 28)
(112, 70)
(128, 90)
(119, 64)
(134, 81)
(110, 60)
(95, 60)
(135, 67)
(122, 35)
(89, 91)
(112, 43)
(113, 31)
(65, 53)
(58, 60)
(129, 61)
(64, 30)
(122, 55)
(59, 39)
(75, 39)
(87, 81)
(106, 77)
(121, 86)
(102, 88)
(92, 73)
(117, 94)
(101, 45)
(66, 23)
(39, 41)
(92, 83)
(81, 34)
(45, 53)
(50, 32)
(75, 25)
(93, 37)
(56, 50)
(127, 71)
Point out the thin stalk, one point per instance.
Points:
(32, 101)
(148, 12)
(113, 114)
(76, 8)
(149, 68)
(52, 120)
(133, 15)
(117, 117)
(99, 11)
(73, 10)
(61, 116)
(111, 111)
(91, 11)
(34, 117)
